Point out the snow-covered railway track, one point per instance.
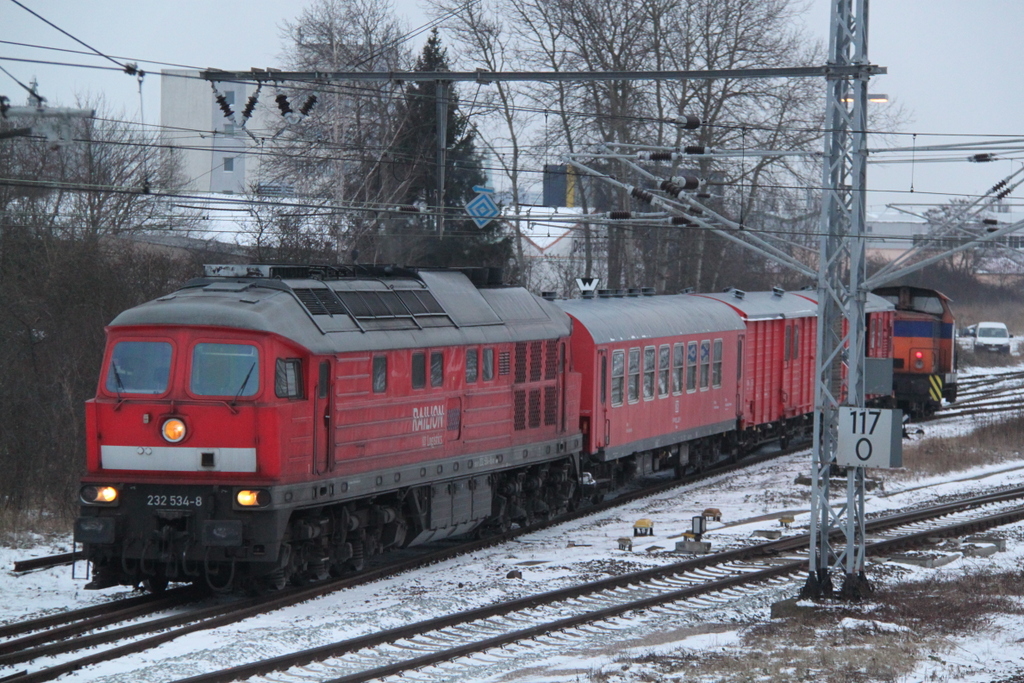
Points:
(569, 613)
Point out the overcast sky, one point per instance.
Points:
(954, 66)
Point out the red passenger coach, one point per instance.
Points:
(660, 379)
(779, 362)
(266, 423)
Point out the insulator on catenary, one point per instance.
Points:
(681, 220)
(679, 184)
(696, 212)
(307, 106)
(1003, 194)
(620, 215)
(282, 104)
(222, 102)
(688, 122)
(642, 195)
(979, 158)
(697, 149)
(656, 156)
(250, 105)
(990, 221)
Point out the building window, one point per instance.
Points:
(691, 366)
(716, 367)
(288, 378)
(649, 355)
(618, 376)
(229, 129)
(229, 164)
(229, 96)
(380, 374)
(472, 365)
(419, 370)
(437, 369)
(634, 375)
(705, 364)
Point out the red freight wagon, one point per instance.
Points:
(879, 316)
(779, 361)
(660, 378)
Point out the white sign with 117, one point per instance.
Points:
(870, 437)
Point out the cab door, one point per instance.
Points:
(323, 432)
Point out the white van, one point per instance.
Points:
(992, 337)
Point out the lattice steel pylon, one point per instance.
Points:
(841, 274)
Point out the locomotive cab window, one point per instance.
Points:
(225, 370)
(380, 374)
(288, 378)
(139, 367)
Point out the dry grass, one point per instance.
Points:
(1007, 312)
(899, 626)
(22, 528)
(994, 442)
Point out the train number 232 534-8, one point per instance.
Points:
(174, 501)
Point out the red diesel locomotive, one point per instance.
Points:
(274, 423)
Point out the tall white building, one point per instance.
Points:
(217, 155)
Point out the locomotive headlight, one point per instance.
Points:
(253, 498)
(99, 495)
(173, 430)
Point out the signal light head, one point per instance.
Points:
(173, 430)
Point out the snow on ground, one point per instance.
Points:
(586, 549)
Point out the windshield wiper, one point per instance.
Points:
(120, 385)
(244, 382)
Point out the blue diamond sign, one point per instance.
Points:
(482, 208)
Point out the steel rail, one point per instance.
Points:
(761, 551)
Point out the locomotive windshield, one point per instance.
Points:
(225, 370)
(138, 367)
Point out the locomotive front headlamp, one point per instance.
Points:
(253, 498)
(173, 430)
(99, 495)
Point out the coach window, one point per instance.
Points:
(288, 378)
(618, 376)
(705, 364)
(677, 368)
(739, 359)
(380, 374)
(472, 367)
(634, 375)
(716, 367)
(225, 370)
(649, 355)
(691, 367)
(664, 363)
(437, 369)
(419, 370)
(488, 365)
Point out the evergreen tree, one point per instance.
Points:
(463, 243)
